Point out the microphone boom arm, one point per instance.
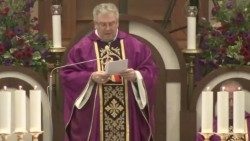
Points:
(60, 67)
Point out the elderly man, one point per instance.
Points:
(109, 107)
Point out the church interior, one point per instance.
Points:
(165, 26)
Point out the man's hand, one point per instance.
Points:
(100, 77)
(129, 74)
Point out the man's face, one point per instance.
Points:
(106, 26)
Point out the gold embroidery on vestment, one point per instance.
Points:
(114, 117)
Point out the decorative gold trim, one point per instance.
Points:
(123, 49)
(56, 9)
(101, 111)
(192, 51)
(103, 95)
(192, 11)
(206, 135)
(127, 111)
(126, 94)
(92, 118)
(57, 49)
(97, 56)
(99, 87)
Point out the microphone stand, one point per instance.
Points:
(60, 67)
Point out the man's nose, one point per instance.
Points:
(107, 26)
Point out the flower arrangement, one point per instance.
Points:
(225, 40)
(21, 44)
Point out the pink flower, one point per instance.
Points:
(19, 55)
(9, 33)
(28, 52)
(2, 48)
(5, 11)
(35, 27)
(245, 52)
(215, 9)
(230, 37)
(222, 50)
(20, 41)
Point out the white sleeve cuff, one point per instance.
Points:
(140, 93)
(84, 96)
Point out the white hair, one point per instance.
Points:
(104, 8)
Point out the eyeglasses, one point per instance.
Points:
(106, 24)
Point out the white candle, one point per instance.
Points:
(191, 32)
(35, 110)
(20, 110)
(239, 112)
(57, 35)
(207, 112)
(222, 112)
(5, 112)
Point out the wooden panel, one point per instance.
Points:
(78, 10)
(155, 10)
(85, 8)
(204, 11)
(149, 9)
(179, 21)
(68, 18)
(45, 17)
(81, 25)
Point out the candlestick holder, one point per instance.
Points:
(20, 135)
(54, 78)
(35, 135)
(192, 11)
(57, 10)
(57, 50)
(206, 136)
(239, 136)
(4, 136)
(224, 136)
(190, 55)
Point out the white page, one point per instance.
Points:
(115, 67)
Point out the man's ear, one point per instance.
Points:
(117, 23)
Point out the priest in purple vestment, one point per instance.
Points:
(230, 86)
(99, 106)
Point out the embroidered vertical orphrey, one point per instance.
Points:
(114, 116)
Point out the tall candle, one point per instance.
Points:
(5, 112)
(222, 112)
(239, 112)
(20, 110)
(207, 112)
(191, 32)
(56, 25)
(35, 110)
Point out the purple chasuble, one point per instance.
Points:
(216, 137)
(84, 124)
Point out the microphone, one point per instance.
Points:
(50, 87)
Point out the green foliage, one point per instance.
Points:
(21, 43)
(225, 39)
